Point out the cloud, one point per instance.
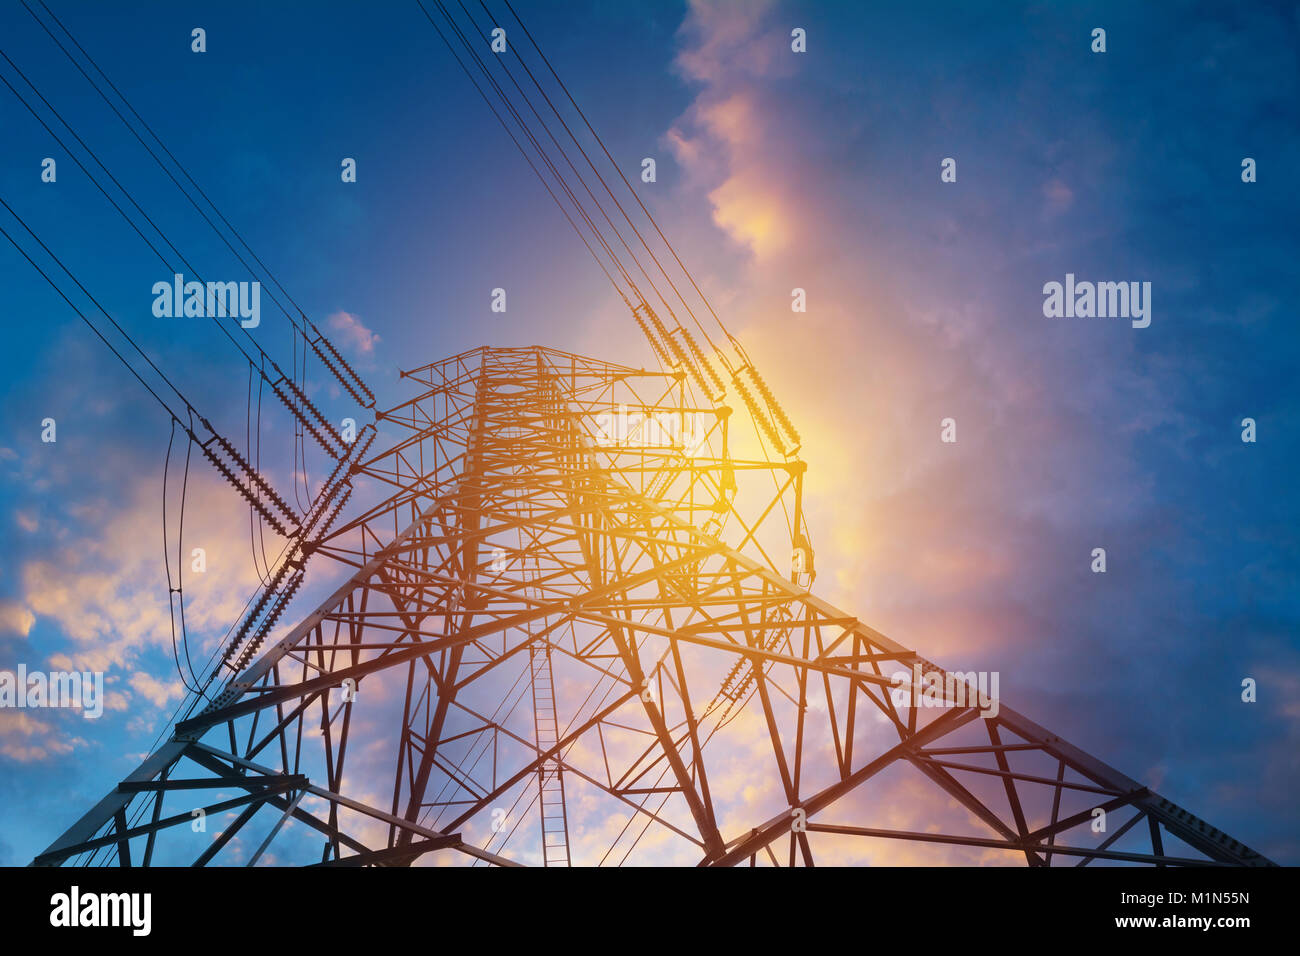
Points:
(26, 739)
(156, 691)
(15, 618)
(1059, 197)
(105, 584)
(724, 134)
(924, 303)
(725, 38)
(353, 334)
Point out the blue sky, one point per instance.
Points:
(819, 171)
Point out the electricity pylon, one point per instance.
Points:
(567, 634)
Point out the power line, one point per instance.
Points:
(175, 589)
(54, 285)
(184, 172)
(125, 192)
(619, 170)
(156, 137)
(562, 150)
(542, 153)
(770, 421)
(322, 427)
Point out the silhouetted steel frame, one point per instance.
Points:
(410, 560)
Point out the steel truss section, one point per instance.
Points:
(399, 718)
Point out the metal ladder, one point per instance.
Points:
(550, 776)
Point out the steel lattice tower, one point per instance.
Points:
(567, 637)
